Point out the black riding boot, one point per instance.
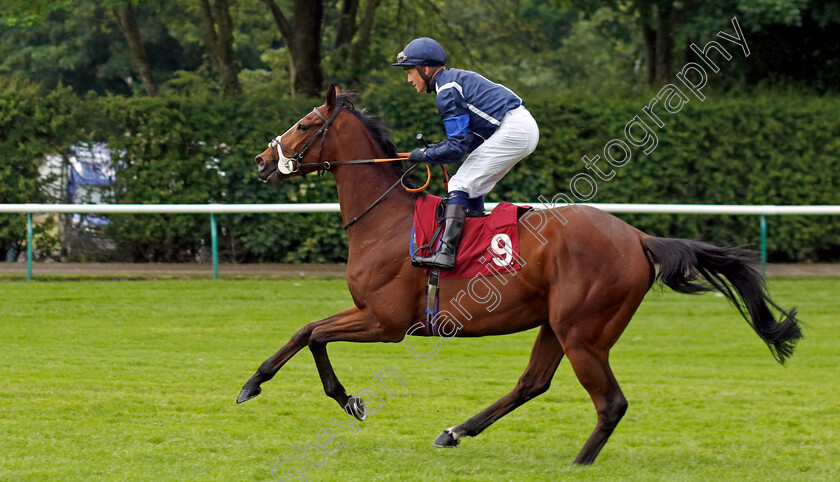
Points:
(444, 258)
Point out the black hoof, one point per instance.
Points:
(356, 407)
(247, 394)
(446, 439)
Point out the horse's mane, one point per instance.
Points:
(376, 127)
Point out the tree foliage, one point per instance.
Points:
(667, 27)
(576, 64)
(302, 45)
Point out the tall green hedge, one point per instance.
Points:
(31, 126)
(766, 149)
(780, 149)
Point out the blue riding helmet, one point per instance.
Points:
(421, 51)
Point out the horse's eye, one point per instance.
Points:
(302, 127)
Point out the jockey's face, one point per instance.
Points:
(415, 79)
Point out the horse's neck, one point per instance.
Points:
(360, 185)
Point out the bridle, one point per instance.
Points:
(292, 165)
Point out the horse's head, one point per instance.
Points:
(299, 150)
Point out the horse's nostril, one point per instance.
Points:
(260, 163)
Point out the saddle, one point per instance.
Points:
(489, 244)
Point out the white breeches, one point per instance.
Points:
(516, 137)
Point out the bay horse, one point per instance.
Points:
(580, 286)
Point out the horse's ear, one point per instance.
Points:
(332, 93)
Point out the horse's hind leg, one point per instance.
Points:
(545, 357)
(272, 365)
(593, 370)
(587, 346)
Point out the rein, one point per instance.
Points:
(380, 198)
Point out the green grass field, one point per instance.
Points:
(136, 380)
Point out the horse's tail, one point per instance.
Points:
(731, 271)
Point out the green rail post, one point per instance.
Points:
(214, 244)
(763, 244)
(28, 246)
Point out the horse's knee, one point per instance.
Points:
(268, 368)
(316, 338)
(302, 336)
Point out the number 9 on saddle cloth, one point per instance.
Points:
(489, 244)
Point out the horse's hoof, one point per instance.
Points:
(356, 407)
(447, 439)
(247, 394)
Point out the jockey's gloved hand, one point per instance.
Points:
(417, 155)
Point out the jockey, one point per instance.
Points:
(484, 121)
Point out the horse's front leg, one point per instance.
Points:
(270, 367)
(362, 327)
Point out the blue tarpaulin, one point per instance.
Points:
(90, 165)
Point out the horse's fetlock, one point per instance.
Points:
(265, 372)
(614, 411)
(466, 429)
(334, 390)
(315, 340)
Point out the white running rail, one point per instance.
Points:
(213, 209)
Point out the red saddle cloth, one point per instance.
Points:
(489, 244)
